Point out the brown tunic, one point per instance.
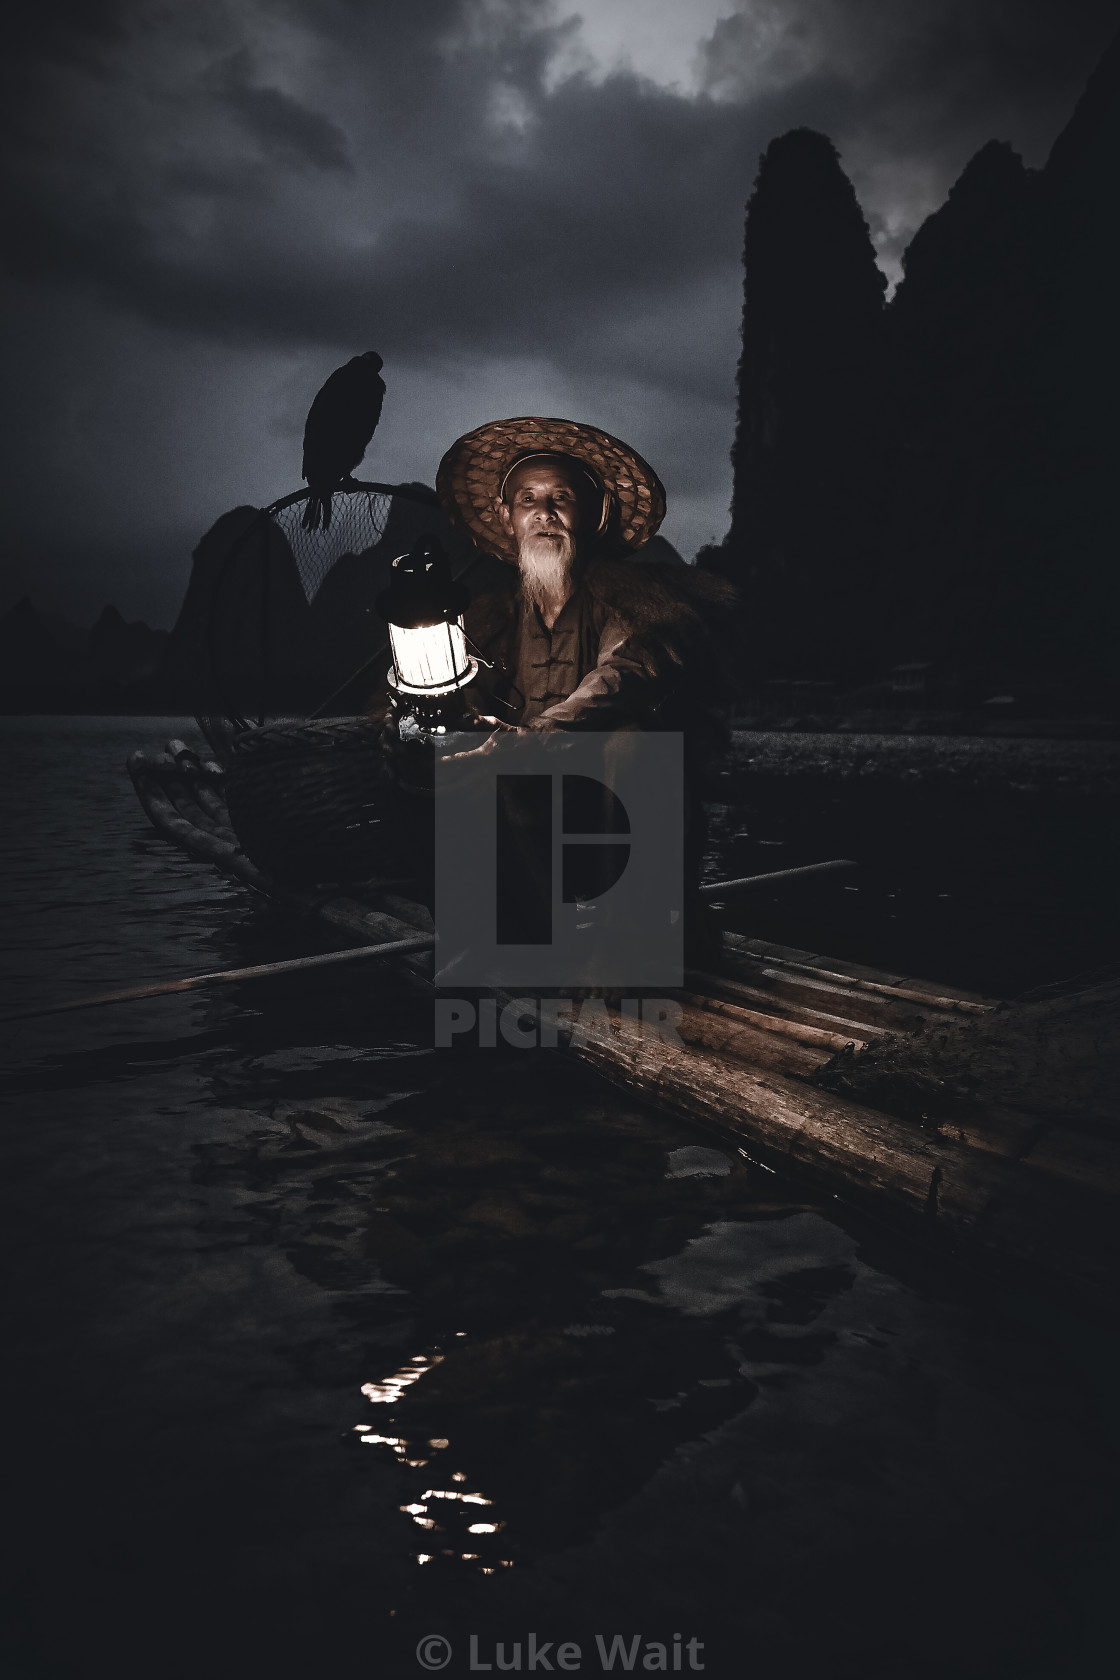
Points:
(580, 667)
(591, 670)
(635, 647)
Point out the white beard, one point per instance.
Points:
(546, 567)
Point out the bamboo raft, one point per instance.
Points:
(753, 1036)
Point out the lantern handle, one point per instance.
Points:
(492, 665)
(477, 651)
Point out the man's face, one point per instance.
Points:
(541, 501)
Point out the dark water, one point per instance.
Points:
(319, 1341)
(985, 863)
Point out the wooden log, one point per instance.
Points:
(870, 1159)
(820, 1038)
(750, 1044)
(998, 1130)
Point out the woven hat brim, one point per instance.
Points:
(470, 477)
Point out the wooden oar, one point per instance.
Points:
(711, 888)
(163, 988)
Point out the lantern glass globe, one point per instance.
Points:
(430, 658)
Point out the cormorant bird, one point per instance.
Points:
(340, 423)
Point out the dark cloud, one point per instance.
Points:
(207, 207)
(291, 134)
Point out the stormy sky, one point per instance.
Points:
(527, 206)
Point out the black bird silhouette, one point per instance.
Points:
(340, 423)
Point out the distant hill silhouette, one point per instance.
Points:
(125, 655)
(962, 327)
(806, 527)
(238, 643)
(933, 479)
(49, 664)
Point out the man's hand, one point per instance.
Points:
(490, 744)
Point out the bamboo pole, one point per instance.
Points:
(886, 1009)
(819, 1038)
(259, 971)
(910, 994)
(735, 991)
(711, 889)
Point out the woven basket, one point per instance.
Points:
(314, 802)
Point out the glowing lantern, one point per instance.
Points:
(423, 606)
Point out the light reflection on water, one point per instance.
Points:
(389, 1392)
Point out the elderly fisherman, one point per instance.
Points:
(590, 628)
(585, 632)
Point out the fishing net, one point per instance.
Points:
(358, 520)
(289, 613)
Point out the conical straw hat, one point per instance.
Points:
(474, 469)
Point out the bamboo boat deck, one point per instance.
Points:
(752, 1039)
